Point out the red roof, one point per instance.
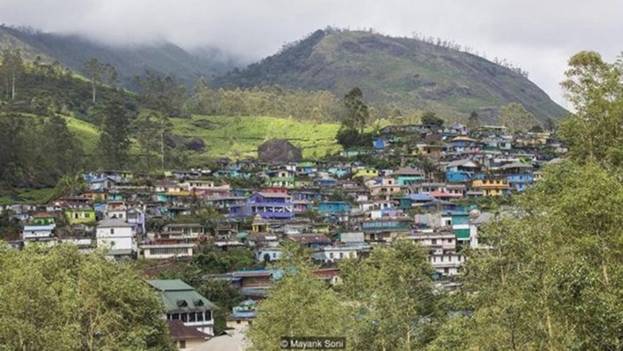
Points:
(179, 331)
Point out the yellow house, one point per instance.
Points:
(80, 216)
(491, 187)
(366, 173)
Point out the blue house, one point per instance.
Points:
(519, 175)
(269, 205)
(339, 172)
(334, 207)
(326, 182)
(408, 201)
(461, 171)
(379, 143)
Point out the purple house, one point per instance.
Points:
(269, 205)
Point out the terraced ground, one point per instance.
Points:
(239, 137)
(235, 137)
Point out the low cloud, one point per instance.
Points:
(538, 36)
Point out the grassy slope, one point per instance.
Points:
(235, 137)
(37, 196)
(238, 137)
(86, 132)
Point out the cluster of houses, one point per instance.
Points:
(339, 208)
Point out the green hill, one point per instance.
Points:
(238, 137)
(234, 137)
(403, 73)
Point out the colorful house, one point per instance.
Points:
(85, 215)
(269, 205)
(334, 207)
(366, 173)
(407, 176)
(491, 187)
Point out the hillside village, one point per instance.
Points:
(447, 183)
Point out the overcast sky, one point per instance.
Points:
(537, 35)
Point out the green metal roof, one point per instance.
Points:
(178, 296)
(169, 284)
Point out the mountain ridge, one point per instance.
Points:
(400, 73)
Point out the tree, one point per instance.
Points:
(10, 227)
(12, 69)
(114, 141)
(595, 131)
(552, 279)
(99, 73)
(536, 129)
(357, 113)
(391, 294)
(36, 151)
(299, 304)
(516, 118)
(474, 121)
(348, 137)
(60, 299)
(150, 130)
(430, 119)
(70, 185)
(549, 124)
(64, 150)
(161, 93)
(211, 259)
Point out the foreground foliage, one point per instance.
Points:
(59, 299)
(385, 302)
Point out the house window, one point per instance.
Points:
(175, 316)
(182, 344)
(184, 317)
(208, 315)
(191, 317)
(200, 316)
(112, 231)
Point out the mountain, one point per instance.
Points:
(73, 51)
(403, 73)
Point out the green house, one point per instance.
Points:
(183, 303)
(80, 216)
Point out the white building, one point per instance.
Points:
(38, 231)
(117, 235)
(334, 253)
(161, 251)
(441, 246)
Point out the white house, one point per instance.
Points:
(159, 251)
(116, 235)
(336, 253)
(38, 231)
(268, 254)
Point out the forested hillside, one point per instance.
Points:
(130, 60)
(398, 75)
(54, 123)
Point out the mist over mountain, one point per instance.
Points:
(398, 74)
(130, 60)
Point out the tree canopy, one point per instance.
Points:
(60, 299)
